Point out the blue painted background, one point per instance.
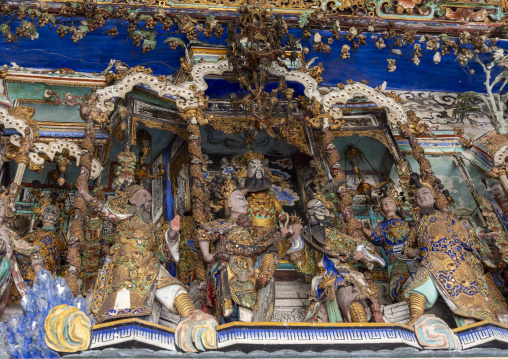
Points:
(93, 53)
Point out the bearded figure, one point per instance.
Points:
(264, 210)
(391, 235)
(327, 254)
(240, 264)
(50, 243)
(133, 275)
(451, 257)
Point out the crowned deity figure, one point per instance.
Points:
(451, 257)
(322, 251)
(264, 210)
(48, 239)
(391, 235)
(133, 275)
(12, 246)
(240, 261)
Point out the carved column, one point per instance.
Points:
(333, 157)
(198, 194)
(77, 237)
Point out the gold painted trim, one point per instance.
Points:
(53, 83)
(181, 132)
(477, 324)
(322, 325)
(375, 134)
(131, 320)
(36, 101)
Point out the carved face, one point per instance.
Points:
(49, 215)
(255, 168)
(424, 197)
(237, 203)
(142, 198)
(316, 211)
(388, 205)
(347, 213)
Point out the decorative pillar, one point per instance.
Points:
(195, 116)
(77, 237)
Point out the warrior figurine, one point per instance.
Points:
(391, 235)
(264, 210)
(48, 239)
(133, 276)
(10, 247)
(329, 255)
(450, 255)
(241, 264)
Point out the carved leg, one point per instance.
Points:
(74, 260)
(416, 304)
(357, 313)
(374, 302)
(197, 330)
(267, 269)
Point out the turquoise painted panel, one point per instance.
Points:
(35, 91)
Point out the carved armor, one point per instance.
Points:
(449, 262)
(391, 234)
(237, 264)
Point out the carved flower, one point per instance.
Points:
(391, 65)
(437, 57)
(380, 44)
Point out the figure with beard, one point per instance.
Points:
(240, 265)
(133, 275)
(50, 242)
(329, 256)
(450, 265)
(391, 234)
(264, 210)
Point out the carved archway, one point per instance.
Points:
(187, 91)
(49, 149)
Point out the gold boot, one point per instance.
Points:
(357, 313)
(183, 305)
(416, 304)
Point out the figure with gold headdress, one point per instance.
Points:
(10, 247)
(133, 275)
(47, 237)
(327, 254)
(264, 210)
(239, 263)
(451, 258)
(391, 235)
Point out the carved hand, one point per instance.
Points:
(359, 256)
(174, 228)
(297, 229)
(490, 235)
